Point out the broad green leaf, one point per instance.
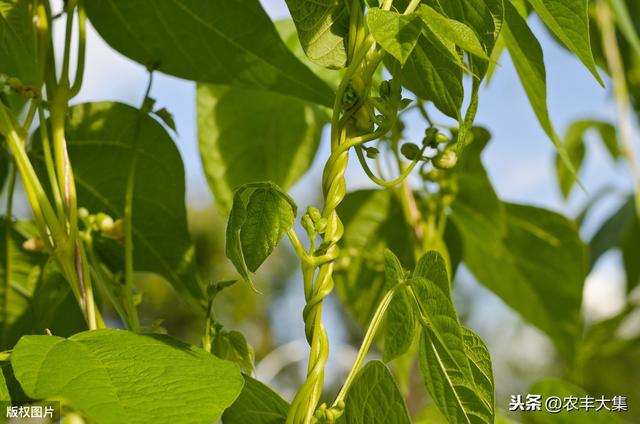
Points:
(452, 30)
(481, 367)
(257, 404)
(261, 215)
(400, 321)
(477, 212)
(230, 42)
(233, 346)
(528, 60)
(17, 40)
(564, 389)
(105, 140)
(569, 21)
(397, 34)
(485, 17)
(289, 34)
(246, 136)
(373, 221)
(537, 267)
(445, 360)
(115, 376)
(480, 362)
(322, 28)
(575, 147)
(432, 73)
(374, 398)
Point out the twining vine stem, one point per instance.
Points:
(363, 60)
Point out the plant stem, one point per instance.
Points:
(48, 159)
(129, 268)
(8, 264)
(372, 330)
(621, 92)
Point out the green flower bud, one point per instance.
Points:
(314, 213)
(446, 159)
(430, 137)
(307, 224)
(385, 89)
(410, 151)
(371, 152)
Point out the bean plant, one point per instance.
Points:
(106, 186)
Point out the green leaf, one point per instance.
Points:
(115, 376)
(528, 60)
(16, 291)
(612, 231)
(485, 17)
(564, 389)
(445, 359)
(373, 221)
(257, 404)
(400, 320)
(289, 34)
(396, 33)
(477, 212)
(44, 302)
(233, 346)
(480, 362)
(167, 118)
(322, 28)
(452, 30)
(246, 136)
(621, 231)
(10, 389)
(569, 21)
(575, 147)
(261, 215)
(537, 267)
(17, 40)
(104, 139)
(374, 398)
(233, 43)
(625, 24)
(4, 390)
(432, 73)
(37, 296)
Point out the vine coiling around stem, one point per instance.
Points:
(334, 189)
